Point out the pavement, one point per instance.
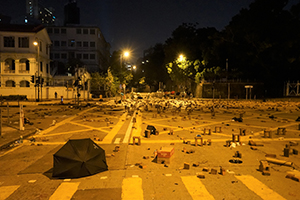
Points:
(133, 172)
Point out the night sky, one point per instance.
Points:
(140, 24)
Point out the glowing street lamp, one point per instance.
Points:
(36, 43)
(181, 58)
(123, 54)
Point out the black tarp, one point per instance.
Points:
(79, 158)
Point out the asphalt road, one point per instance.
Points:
(135, 173)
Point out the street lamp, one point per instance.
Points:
(123, 54)
(37, 82)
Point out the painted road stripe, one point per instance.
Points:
(110, 136)
(195, 187)
(48, 130)
(129, 129)
(6, 191)
(65, 191)
(259, 188)
(117, 141)
(138, 130)
(132, 189)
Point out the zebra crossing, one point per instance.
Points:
(133, 188)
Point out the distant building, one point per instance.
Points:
(84, 43)
(20, 59)
(36, 13)
(72, 13)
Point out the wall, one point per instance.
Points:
(236, 90)
(45, 93)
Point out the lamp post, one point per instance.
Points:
(37, 82)
(123, 54)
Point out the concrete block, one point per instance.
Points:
(200, 175)
(213, 171)
(205, 169)
(186, 165)
(138, 140)
(266, 173)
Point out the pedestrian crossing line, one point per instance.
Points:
(117, 141)
(138, 130)
(6, 191)
(65, 191)
(129, 130)
(132, 189)
(110, 136)
(196, 189)
(64, 122)
(259, 188)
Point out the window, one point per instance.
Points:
(56, 30)
(24, 83)
(85, 56)
(85, 44)
(78, 31)
(63, 31)
(78, 56)
(9, 41)
(10, 83)
(56, 43)
(23, 42)
(85, 31)
(47, 49)
(41, 66)
(56, 56)
(63, 43)
(51, 55)
(64, 56)
(92, 31)
(78, 44)
(47, 68)
(92, 56)
(50, 30)
(41, 46)
(23, 65)
(71, 43)
(71, 55)
(92, 44)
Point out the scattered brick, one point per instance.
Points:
(200, 175)
(186, 165)
(266, 173)
(205, 169)
(213, 171)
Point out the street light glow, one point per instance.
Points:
(35, 43)
(126, 53)
(181, 58)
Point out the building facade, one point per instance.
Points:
(20, 59)
(84, 43)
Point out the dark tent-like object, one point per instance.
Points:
(79, 158)
(151, 128)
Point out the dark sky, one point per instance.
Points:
(139, 24)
